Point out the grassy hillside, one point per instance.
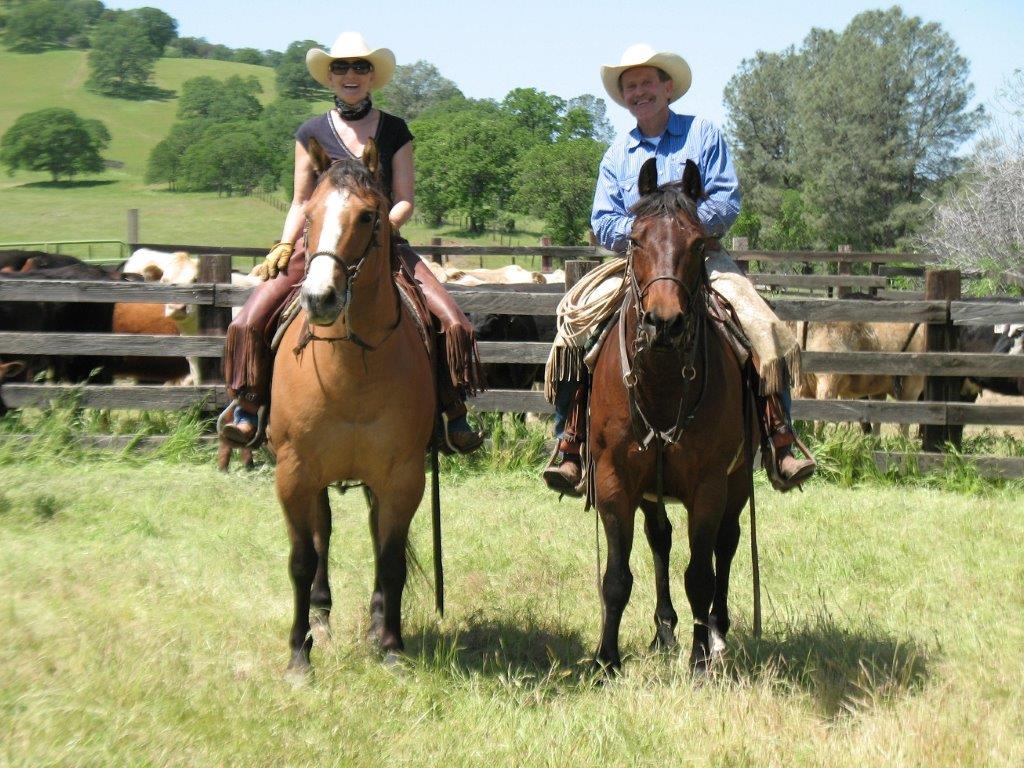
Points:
(57, 79)
(32, 209)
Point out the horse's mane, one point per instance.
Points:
(667, 200)
(354, 175)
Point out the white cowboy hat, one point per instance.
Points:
(351, 45)
(642, 55)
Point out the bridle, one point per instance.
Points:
(687, 345)
(351, 272)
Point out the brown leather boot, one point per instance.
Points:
(785, 471)
(564, 474)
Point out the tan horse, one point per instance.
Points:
(352, 399)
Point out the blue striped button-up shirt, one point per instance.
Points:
(685, 138)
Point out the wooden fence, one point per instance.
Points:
(938, 314)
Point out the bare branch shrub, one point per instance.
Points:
(980, 225)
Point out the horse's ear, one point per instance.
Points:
(648, 177)
(371, 157)
(321, 161)
(693, 187)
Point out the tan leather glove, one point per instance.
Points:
(275, 261)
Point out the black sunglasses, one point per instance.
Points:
(359, 67)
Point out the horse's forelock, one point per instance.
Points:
(668, 200)
(352, 175)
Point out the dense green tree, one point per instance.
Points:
(55, 140)
(165, 158)
(556, 183)
(277, 126)
(414, 89)
(122, 57)
(247, 56)
(40, 24)
(229, 157)
(160, 28)
(464, 160)
(293, 80)
(861, 122)
(760, 102)
(586, 116)
(220, 101)
(537, 112)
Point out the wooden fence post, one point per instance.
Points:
(844, 268)
(437, 258)
(575, 269)
(545, 258)
(213, 321)
(133, 227)
(941, 285)
(741, 244)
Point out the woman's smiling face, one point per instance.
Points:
(350, 85)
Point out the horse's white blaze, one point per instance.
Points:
(320, 275)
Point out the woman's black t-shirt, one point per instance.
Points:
(392, 134)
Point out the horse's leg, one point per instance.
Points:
(659, 536)
(300, 510)
(704, 521)
(377, 598)
(617, 515)
(725, 549)
(394, 514)
(320, 593)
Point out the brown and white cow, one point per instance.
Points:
(860, 337)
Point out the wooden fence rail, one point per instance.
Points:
(543, 300)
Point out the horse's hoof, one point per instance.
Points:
(663, 643)
(298, 674)
(393, 662)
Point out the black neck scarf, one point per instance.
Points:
(353, 112)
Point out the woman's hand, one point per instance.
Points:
(275, 261)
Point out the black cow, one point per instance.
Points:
(998, 340)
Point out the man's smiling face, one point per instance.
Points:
(644, 92)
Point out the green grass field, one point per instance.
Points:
(32, 209)
(145, 607)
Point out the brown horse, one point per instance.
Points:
(667, 416)
(352, 399)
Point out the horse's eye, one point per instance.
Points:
(699, 247)
(365, 217)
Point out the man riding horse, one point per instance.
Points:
(646, 82)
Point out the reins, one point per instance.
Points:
(643, 430)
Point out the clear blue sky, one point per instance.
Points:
(558, 47)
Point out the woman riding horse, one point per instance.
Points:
(351, 69)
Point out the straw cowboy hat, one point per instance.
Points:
(351, 45)
(642, 55)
